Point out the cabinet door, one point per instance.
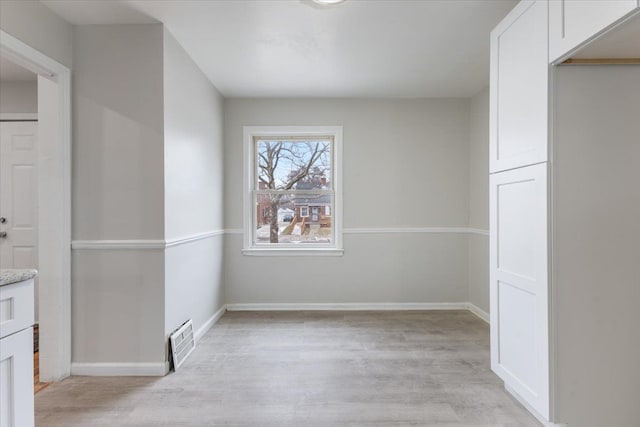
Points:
(573, 22)
(16, 380)
(519, 283)
(519, 88)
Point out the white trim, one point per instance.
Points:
(414, 230)
(55, 222)
(529, 408)
(118, 244)
(249, 132)
(192, 238)
(478, 231)
(383, 230)
(144, 244)
(478, 312)
(289, 251)
(398, 230)
(384, 306)
(162, 244)
(19, 116)
(120, 369)
(202, 330)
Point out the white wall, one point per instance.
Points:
(19, 97)
(193, 193)
(406, 164)
(39, 27)
(479, 200)
(596, 172)
(118, 193)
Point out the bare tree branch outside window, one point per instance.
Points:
(285, 169)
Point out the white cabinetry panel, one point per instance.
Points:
(16, 307)
(16, 380)
(519, 282)
(573, 22)
(519, 88)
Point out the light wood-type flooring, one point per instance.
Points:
(304, 369)
(37, 385)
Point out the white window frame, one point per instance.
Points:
(250, 132)
(306, 209)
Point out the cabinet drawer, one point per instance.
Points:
(16, 307)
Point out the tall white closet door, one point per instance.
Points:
(519, 88)
(519, 283)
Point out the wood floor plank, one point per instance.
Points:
(416, 368)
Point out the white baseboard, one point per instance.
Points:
(138, 369)
(209, 323)
(362, 307)
(529, 408)
(478, 311)
(120, 369)
(349, 306)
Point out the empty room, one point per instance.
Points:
(320, 213)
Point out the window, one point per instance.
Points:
(292, 184)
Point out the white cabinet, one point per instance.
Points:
(518, 149)
(519, 283)
(573, 22)
(519, 88)
(16, 354)
(16, 380)
(564, 227)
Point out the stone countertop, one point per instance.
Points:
(9, 276)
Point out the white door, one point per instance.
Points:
(519, 283)
(16, 380)
(18, 195)
(519, 88)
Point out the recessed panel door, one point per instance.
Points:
(519, 283)
(18, 195)
(519, 88)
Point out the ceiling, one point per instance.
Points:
(10, 72)
(297, 48)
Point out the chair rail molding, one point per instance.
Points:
(129, 244)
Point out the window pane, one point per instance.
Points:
(293, 165)
(299, 218)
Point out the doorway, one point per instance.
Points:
(44, 199)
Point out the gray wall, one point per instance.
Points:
(193, 174)
(406, 164)
(118, 180)
(39, 27)
(118, 188)
(19, 97)
(479, 199)
(596, 254)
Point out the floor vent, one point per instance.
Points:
(182, 343)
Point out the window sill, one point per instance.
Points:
(314, 252)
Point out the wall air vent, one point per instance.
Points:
(182, 343)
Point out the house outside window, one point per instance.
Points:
(292, 187)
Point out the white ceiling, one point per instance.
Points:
(11, 72)
(296, 48)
